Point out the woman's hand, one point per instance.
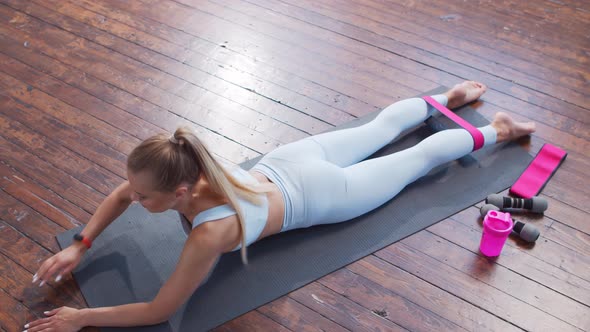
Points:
(62, 319)
(61, 264)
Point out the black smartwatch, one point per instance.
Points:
(80, 238)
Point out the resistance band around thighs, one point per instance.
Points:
(478, 139)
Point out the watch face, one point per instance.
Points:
(78, 237)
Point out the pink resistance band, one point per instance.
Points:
(478, 138)
(540, 170)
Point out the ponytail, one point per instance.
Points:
(221, 182)
(184, 153)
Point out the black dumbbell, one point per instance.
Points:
(534, 204)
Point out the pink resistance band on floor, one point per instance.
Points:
(540, 170)
(478, 138)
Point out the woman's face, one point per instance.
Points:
(154, 201)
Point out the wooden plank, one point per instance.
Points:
(387, 302)
(555, 15)
(71, 100)
(69, 93)
(74, 139)
(229, 64)
(570, 127)
(381, 32)
(528, 24)
(503, 87)
(469, 288)
(14, 188)
(163, 91)
(252, 321)
(62, 158)
(450, 30)
(257, 48)
(295, 316)
(510, 31)
(51, 177)
(14, 315)
(567, 194)
(447, 305)
(503, 279)
(176, 20)
(303, 41)
(568, 179)
(33, 194)
(448, 23)
(232, 129)
(221, 64)
(284, 28)
(115, 103)
(27, 26)
(568, 215)
(568, 237)
(202, 79)
(342, 310)
(29, 222)
(25, 84)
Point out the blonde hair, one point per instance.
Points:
(180, 158)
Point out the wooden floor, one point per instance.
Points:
(83, 81)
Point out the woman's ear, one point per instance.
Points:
(180, 191)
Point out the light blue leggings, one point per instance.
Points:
(324, 179)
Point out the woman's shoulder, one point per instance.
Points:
(222, 234)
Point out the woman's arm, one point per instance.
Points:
(198, 256)
(112, 207)
(66, 260)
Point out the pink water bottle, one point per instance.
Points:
(496, 228)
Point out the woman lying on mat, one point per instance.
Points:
(318, 180)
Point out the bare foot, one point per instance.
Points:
(464, 93)
(508, 129)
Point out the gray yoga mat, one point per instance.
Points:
(134, 256)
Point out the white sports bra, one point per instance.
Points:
(255, 216)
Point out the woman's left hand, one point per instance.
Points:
(62, 319)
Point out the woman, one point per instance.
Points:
(317, 180)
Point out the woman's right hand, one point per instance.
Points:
(61, 263)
